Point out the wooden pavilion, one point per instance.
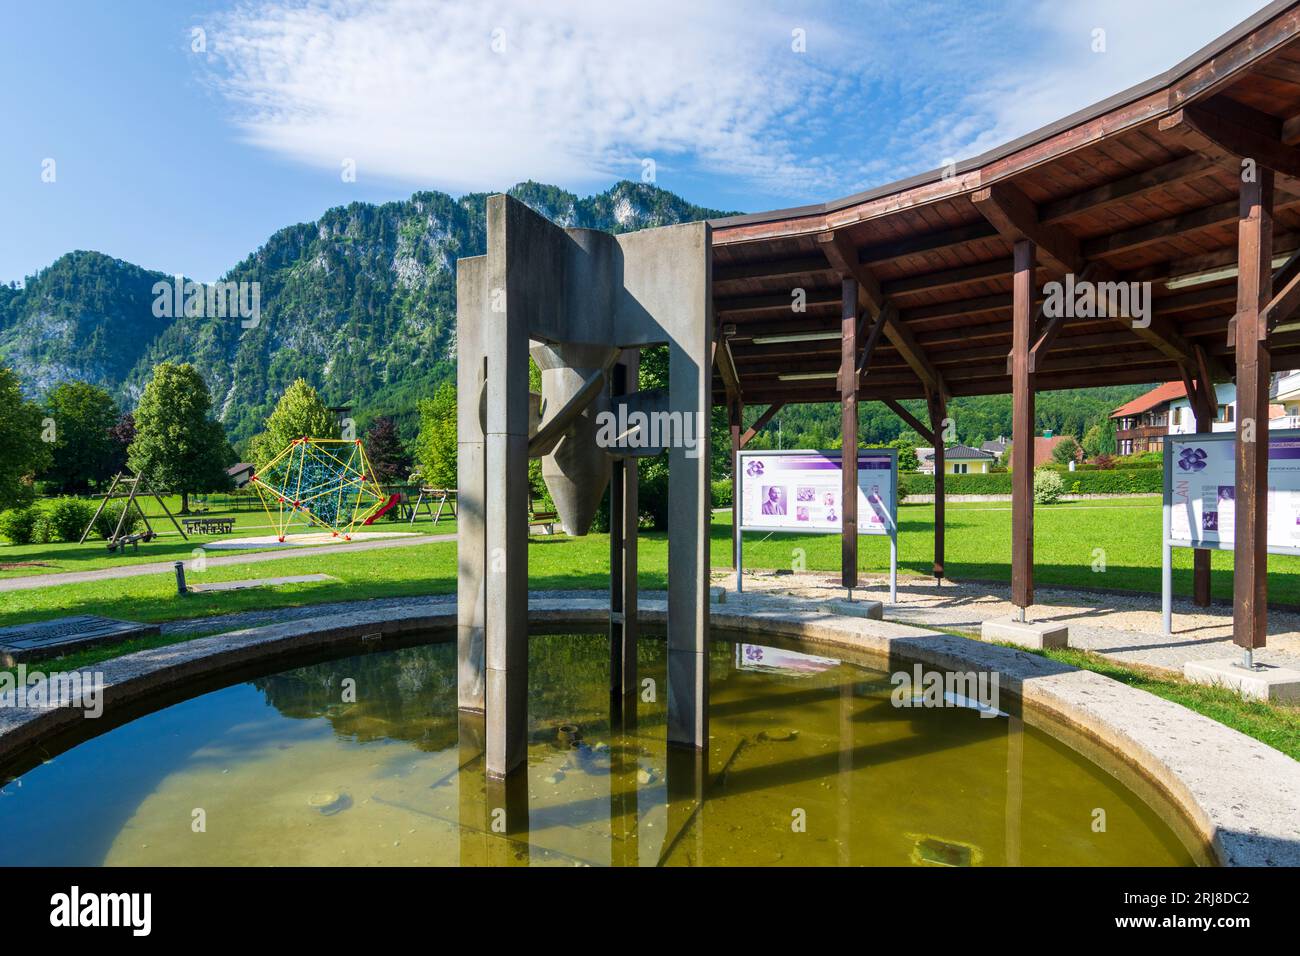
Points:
(933, 287)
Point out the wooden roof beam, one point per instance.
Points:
(1015, 217)
(1229, 134)
(1121, 190)
(844, 258)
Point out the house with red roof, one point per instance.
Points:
(1142, 424)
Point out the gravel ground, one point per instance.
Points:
(1126, 627)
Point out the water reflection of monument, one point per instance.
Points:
(583, 303)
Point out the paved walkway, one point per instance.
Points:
(213, 561)
(1123, 627)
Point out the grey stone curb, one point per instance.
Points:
(1241, 797)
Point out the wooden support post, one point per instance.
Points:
(848, 381)
(1254, 290)
(735, 417)
(1022, 428)
(938, 409)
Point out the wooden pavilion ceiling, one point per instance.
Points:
(1143, 187)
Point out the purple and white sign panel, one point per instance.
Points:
(1201, 491)
(802, 491)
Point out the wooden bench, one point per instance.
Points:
(541, 518)
(209, 525)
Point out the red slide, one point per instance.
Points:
(388, 505)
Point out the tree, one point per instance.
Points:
(907, 460)
(300, 413)
(384, 448)
(177, 447)
(1092, 441)
(122, 434)
(82, 452)
(22, 451)
(435, 449)
(1066, 450)
(1109, 444)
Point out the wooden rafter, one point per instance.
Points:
(1015, 217)
(843, 257)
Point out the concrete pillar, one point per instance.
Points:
(505, 466)
(471, 579)
(689, 374)
(1254, 289)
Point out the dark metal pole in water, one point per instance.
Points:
(623, 514)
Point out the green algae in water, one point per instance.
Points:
(808, 764)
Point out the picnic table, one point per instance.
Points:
(209, 525)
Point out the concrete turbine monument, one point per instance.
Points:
(583, 303)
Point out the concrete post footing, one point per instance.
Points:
(1035, 636)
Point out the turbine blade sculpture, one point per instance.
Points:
(327, 481)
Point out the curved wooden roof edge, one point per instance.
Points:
(1197, 77)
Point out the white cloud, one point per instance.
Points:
(414, 92)
(580, 93)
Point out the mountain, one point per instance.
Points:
(361, 303)
(86, 317)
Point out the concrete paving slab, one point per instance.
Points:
(261, 582)
(45, 639)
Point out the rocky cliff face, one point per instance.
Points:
(361, 303)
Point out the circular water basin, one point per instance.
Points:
(814, 759)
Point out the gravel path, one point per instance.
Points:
(1126, 627)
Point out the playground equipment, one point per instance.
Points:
(328, 481)
(445, 498)
(130, 485)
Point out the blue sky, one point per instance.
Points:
(187, 160)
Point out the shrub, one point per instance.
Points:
(42, 528)
(1047, 487)
(18, 524)
(1104, 462)
(1116, 482)
(69, 517)
(721, 493)
(107, 520)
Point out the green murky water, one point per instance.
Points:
(810, 763)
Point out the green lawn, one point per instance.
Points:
(169, 545)
(979, 534)
(1273, 724)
